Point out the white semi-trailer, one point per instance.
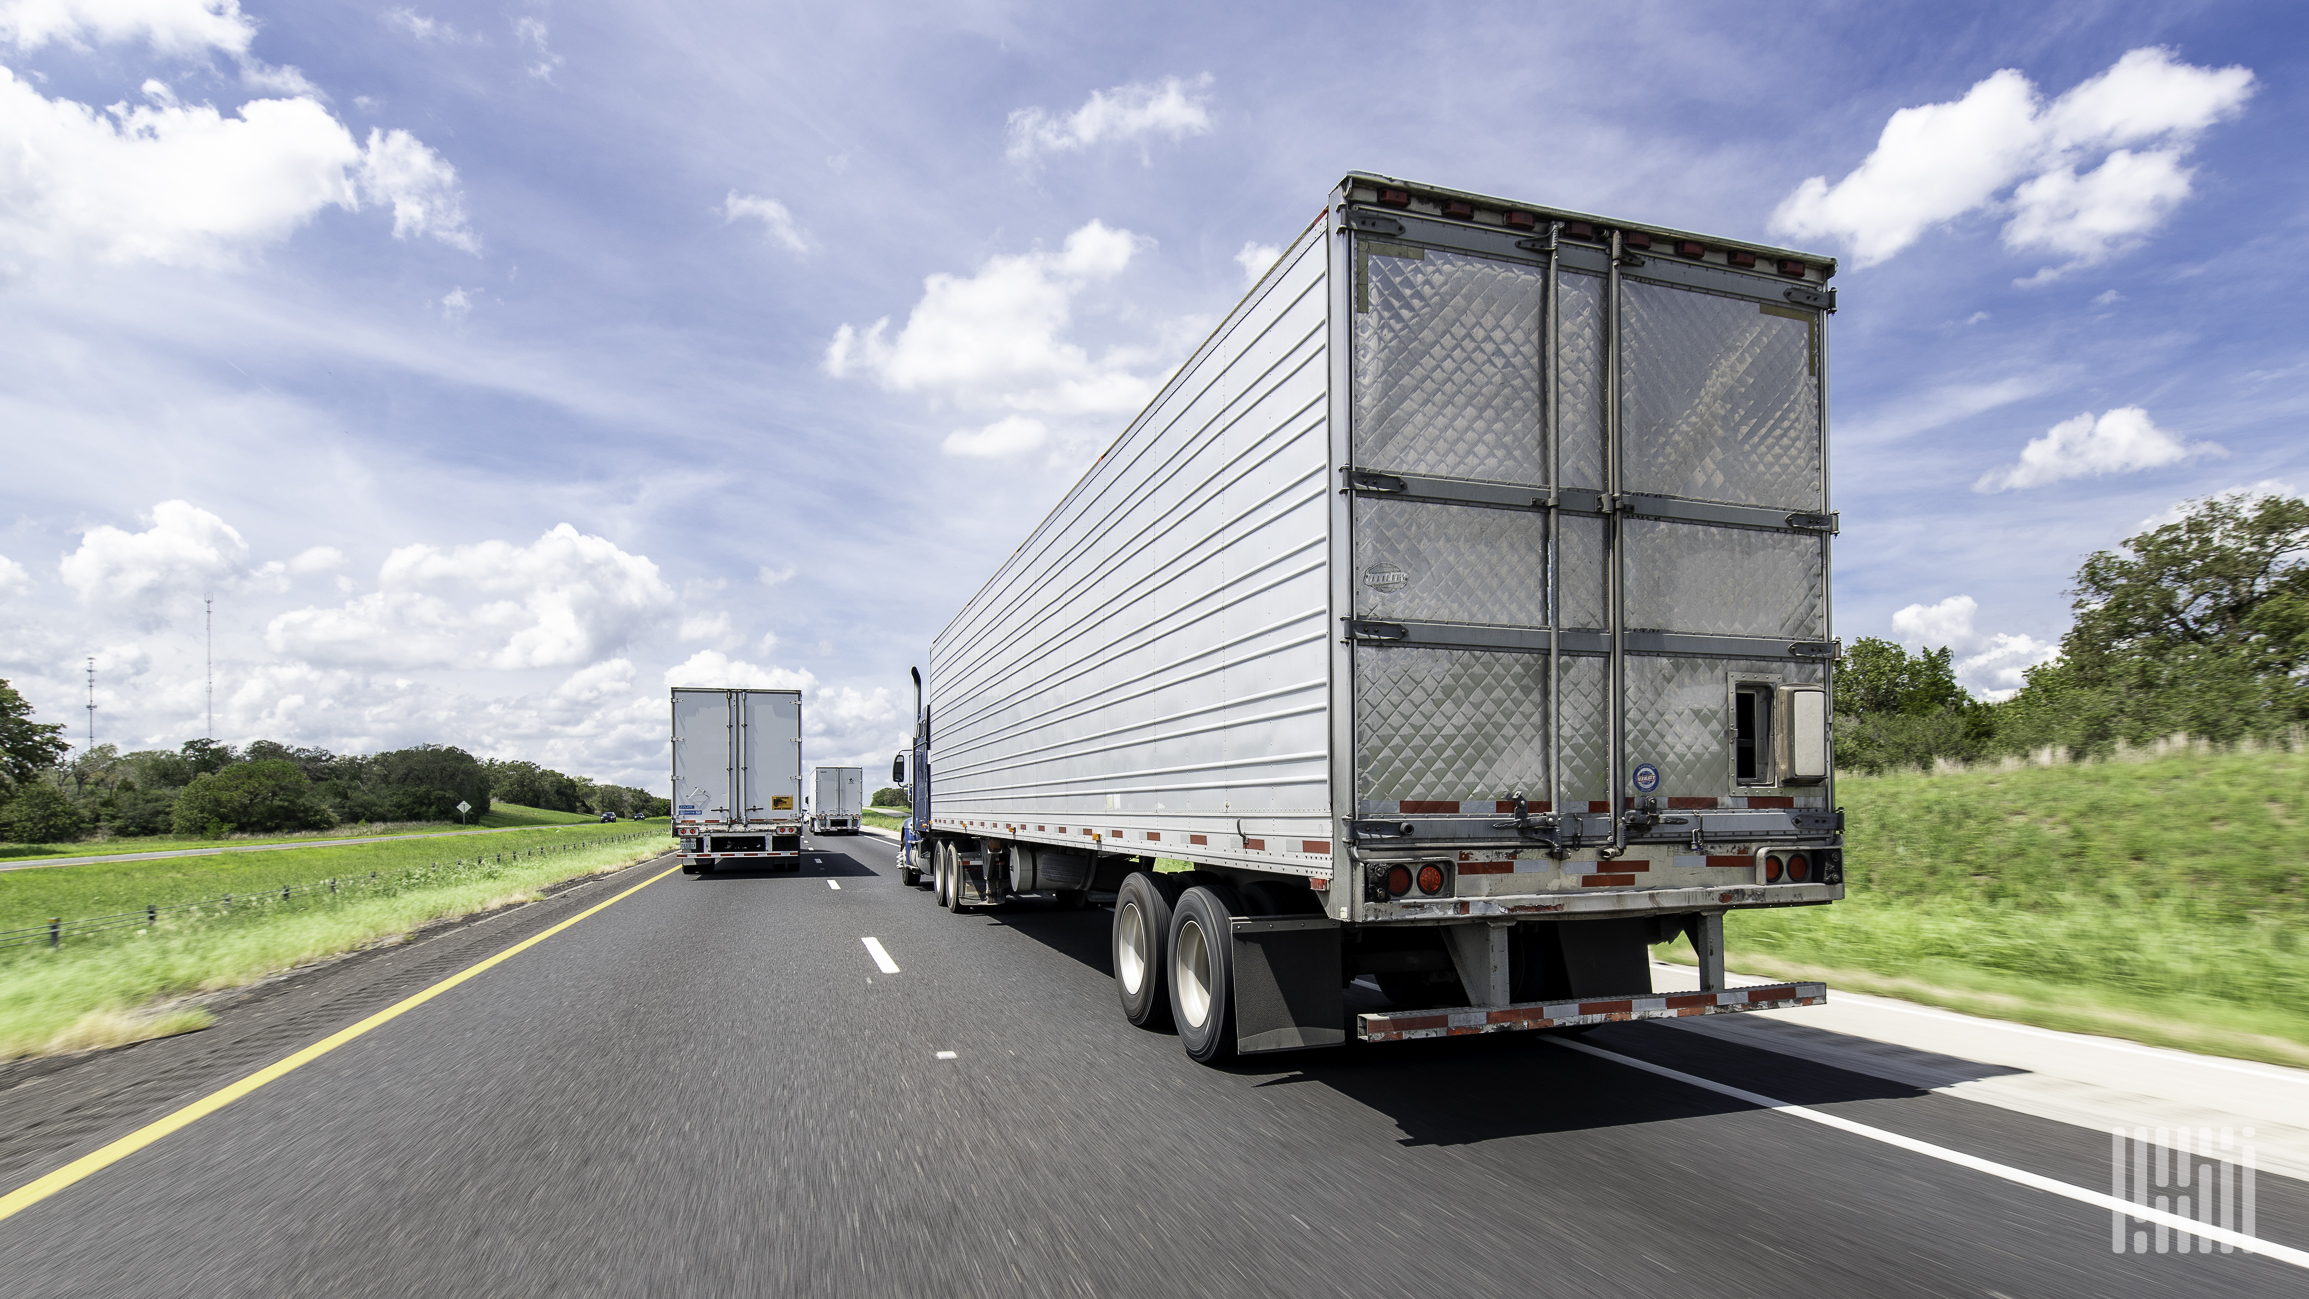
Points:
(737, 778)
(837, 799)
(1459, 612)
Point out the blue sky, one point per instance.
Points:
(493, 366)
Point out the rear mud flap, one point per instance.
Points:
(1286, 977)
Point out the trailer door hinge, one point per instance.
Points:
(1365, 629)
(1829, 523)
(1818, 820)
(1372, 222)
(1817, 649)
(1379, 829)
(1826, 301)
(1363, 480)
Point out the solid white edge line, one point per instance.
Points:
(881, 958)
(2142, 1212)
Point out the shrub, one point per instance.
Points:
(268, 795)
(40, 813)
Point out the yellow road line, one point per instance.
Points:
(31, 1193)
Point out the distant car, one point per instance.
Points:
(609, 816)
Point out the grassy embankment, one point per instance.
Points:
(113, 988)
(2158, 896)
(882, 818)
(501, 816)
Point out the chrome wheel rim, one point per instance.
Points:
(1193, 973)
(1130, 948)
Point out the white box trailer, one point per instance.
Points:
(837, 799)
(1459, 612)
(737, 778)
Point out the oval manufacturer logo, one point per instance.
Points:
(1385, 577)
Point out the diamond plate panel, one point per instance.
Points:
(1449, 724)
(1450, 563)
(1579, 408)
(1586, 732)
(1676, 717)
(1719, 401)
(1581, 571)
(1447, 375)
(1725, 581)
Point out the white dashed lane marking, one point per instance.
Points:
(881, 958)
(945, 1055)
(832, 885)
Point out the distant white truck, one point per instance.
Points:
(837, 796)
(737, 778)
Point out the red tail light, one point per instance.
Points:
(1772, 869)
(1395, 197)
(1688, 248)
(1522, 220)
(1459, 211)
(1431, 879)
(1741, 259)
(1793, 270)
(1398, 880)
(1799, 867)
(1636, 239)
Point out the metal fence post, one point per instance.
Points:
(151, 916)
(55, 930)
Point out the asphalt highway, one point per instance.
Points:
(716, 1087)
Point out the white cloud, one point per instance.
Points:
(13, 579)
(1913, 413)
(2178, 510)
(1255, 258)
(776, 221)
(566, 598)
(187, 185)
(769, 642)
(713, 628)
(532, 33)
(1937, 162)
(2108, 299)
(431, 29)
(995, 338)
(1004, 437)
(714, 668)
(1173, 106)
(317, 559)
(2119, 441)
(1990, 665)
(773, 576)
(185, 549)
(170, 26)
(456, 304)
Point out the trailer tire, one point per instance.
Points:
(1202, 993)
(940, 866)
(1140, 947)
(955, 879)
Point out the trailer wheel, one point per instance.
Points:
(1141, 947)
(941, 868)
(957, 876)
(1202, 991)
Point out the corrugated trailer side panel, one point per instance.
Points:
(1148, 670)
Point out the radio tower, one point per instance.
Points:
(92, 703)
(210, 602)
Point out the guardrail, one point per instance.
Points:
(230, 905)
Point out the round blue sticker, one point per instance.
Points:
(1645, 778)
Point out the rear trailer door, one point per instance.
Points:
(770, 748)
(1586, 515)
(704, 767)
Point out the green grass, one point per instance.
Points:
(2161, 898)
(499, 816)
(30, 897)
(883, 819)
(107, 991)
